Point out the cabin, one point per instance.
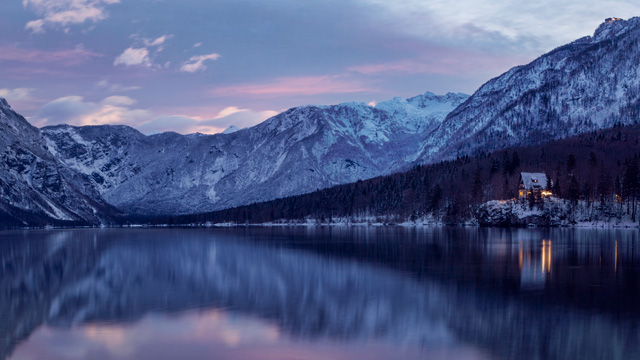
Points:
(534, 183)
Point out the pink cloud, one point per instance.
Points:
(446, 62)
(305, 85)
(66, 57)
(404, 66)
(32, 72)
(215, 122)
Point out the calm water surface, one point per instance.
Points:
(320, 293)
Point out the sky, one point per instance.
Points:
(203, 65)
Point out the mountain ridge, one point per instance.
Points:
(35, 188)
(588, 84)
(297, 151)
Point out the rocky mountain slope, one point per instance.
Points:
(295, 152)
(35, 188)
(589, 84)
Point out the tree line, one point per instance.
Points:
(599, 168)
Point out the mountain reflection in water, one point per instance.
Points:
(298, 293)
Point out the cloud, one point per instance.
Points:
(16, 94)
(443, 61)
(21, 99)
(138, 55)
(305, 85)
(538, 25)
(74, 110)
(132, 56)
(61, 13)
(66, 57)
(196, 63)
(191, 124)
(118, 101)
(402, 66)
(157, 41)
(112, 87)
(37, 65)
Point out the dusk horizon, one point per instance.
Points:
(202, 66)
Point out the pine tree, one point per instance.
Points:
(506, 164)
(476, 190)
(557, 189)
(507, 193)
(436, 197)
(515, 162)
(604, 185)
(630, 186)
(593, 160)
(571, 164)
(573, 192)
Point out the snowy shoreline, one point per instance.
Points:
(311, 223)
(550, 213)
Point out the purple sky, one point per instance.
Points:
(202, 65)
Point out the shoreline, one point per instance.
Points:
(582, 225)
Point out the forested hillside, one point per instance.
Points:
(599, 169)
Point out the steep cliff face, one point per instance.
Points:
(297, 151)
(35, 188)
(591, 83)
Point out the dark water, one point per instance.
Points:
(320, 293)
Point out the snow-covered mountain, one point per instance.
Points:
(35, 188)
(297, 151)
(591, 83)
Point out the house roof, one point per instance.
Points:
(534, 181)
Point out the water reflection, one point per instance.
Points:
(334, 292)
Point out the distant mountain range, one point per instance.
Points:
(297, 151)
(66, 173)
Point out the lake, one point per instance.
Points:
(320, 293)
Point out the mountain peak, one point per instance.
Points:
(612, 27)
(4, 103)
(231, 129)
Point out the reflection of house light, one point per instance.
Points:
(546, 256)
(544, 253)
(549, 257)
(521, 256)
(615, 266)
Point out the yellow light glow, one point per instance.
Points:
(546, 256)
(544, 253)
(521, 256)
(549, 257)
(615, 266)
